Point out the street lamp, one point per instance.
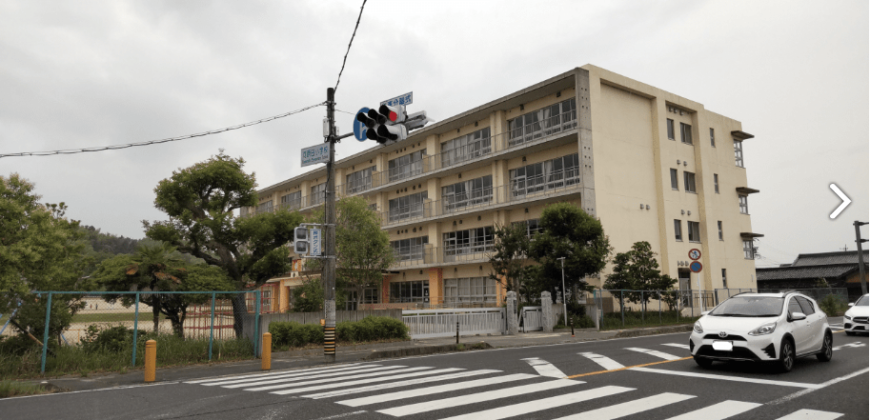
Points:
(564, 292)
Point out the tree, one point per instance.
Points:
(159, 268)
(509, 255)
(40, 250)
(200, 201)
(571, 233)
(637, 270)
(363, 248)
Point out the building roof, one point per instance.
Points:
(806, 272)
(829, 258)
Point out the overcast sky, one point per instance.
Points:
(93, 73)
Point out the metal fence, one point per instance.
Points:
(818, 294)
(444, 323)
(79, 319)
(633, 308)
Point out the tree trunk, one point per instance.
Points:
(155, 310)
(240, 311)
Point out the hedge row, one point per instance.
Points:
(370, 328)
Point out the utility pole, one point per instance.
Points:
(329, 267)
(859, 241)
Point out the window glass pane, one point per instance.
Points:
(678, 230)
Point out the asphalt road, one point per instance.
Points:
(635, 378)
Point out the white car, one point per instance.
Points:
(855, 319)
(762, 327)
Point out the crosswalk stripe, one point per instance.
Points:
(677, 345)
(288, 384)
(285, 372)
(476, 398)
(400, 395)
(605, 362)
(655, 353)
(543, 404)
(412, 382)
(299, 375)
(545, 368)
(373, 371)
(812, 414)
(629, 408)
(719, 411)
(727, 378)
(358, 382)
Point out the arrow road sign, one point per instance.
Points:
(359, 129)
(843, 205)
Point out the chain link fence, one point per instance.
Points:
(63, 332)
(638, 308)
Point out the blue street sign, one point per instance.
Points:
(695, 266)
(359, 129)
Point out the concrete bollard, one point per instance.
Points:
(150, 361)
(266, 360)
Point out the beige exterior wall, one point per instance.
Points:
(625, 156)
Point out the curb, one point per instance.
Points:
(424, 350)
(652, 331)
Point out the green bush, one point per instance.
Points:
(113, 339)
(370, 328)
(294, 334)
(832, 305)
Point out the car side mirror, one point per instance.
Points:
(797, 316)
(851, 304)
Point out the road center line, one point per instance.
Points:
(625, 368)
(728, 378)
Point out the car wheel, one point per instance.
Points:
(786, 358)
(702, 362)
(827, 349)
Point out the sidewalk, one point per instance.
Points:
(345, 354)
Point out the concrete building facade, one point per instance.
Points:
(651, 165)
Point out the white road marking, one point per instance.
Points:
(358, 382)
(375, 399)
(298, 376)
(720, 411)
(605, 362)
(418, 381)
(284, 384)
(629, 408)
(285, 372)
(823, 385)
(655, 353)
(812, 414)
(855, 344)
(545, 368)
(677, 345)
(339, 416)
(543, 404)
(726, 378)
(476, 398)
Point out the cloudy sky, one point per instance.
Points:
(94, 73)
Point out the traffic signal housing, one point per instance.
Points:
(301, 240)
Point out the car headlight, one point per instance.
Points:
(848, 318)
(764, 329)
(698, 329)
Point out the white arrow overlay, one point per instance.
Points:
(843, 205)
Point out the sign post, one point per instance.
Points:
(696, 268)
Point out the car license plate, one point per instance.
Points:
(723, 345)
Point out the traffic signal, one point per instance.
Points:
(384, 124)
(300, 240)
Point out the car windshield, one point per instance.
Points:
(863, 301)
(750, 306)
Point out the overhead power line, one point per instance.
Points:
(166, 140)
(343, 62)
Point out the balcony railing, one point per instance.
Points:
(556, 183)
(477, 252)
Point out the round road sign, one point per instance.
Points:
(695, 266)
(359, 129)
(695, 254)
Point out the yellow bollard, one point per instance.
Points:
(266, 360)
(150, 361)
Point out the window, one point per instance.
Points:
(409, 291)
(685, 133)
(748, 250)
(547, 175)
(543, 122)
(744, 204)
(671, 129)
(359, 181)
(716, 183)
(694, 232)
(712, 138)
(531, 226)
(675, 182)
(806, 305)
(469, 241)
(469, 290)
(318, 194)
(689, 182)
(373, 207)
(724, 279)
(371, 295)
(406, 166)
(466, 148)
(678, 230)
(409, 249)
(738, 153)
(265, 207)
(409, 206)
(794, 306)
(292, 201)
(720, 230)
(471, 193)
